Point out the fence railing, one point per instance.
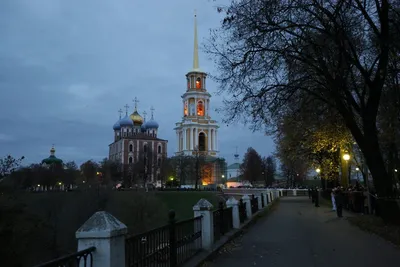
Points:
(103, 240)
(166, 246)
(254, 204)
(242, 211)
(222, 221)
(78, 259)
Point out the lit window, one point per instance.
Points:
(200, 109)
(198, 83)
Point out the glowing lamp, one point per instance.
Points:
(357, 169)
(346, 157)
(318, 170)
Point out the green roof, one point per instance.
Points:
(234, 166)
(52, 160)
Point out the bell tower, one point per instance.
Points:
(197, 132)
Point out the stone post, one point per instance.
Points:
(294, 192)
(265, 196)
(246, 201)
(234, 204)
(204, 208)
(259, 201)
(107, 234)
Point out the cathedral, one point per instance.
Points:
(136, 140)
(197, 132)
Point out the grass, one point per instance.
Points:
(377, 226)
(183, 202)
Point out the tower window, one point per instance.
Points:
(159, 149)
(198, 83)
(202, 142)
(145, 148)
(130, 159)
(130, 148)
(188, 83)
(200, 108)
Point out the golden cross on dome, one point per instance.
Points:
(120, 113)
(152, 112)
(126, 109)
(136, 101)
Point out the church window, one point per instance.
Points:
(130, 148)
(145, 148)
(202, 142)
(159, 149)
(185, 109)
(130, 159)
(198, 83)
(200, 108)
(188, 83)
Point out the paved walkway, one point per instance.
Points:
(298, 234)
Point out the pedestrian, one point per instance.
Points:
(312, 195)
(333, 199)
(339, 199)
(316, 197)
(309, 192)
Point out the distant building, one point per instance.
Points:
(136, 139)
(52, 160)
(234, 168)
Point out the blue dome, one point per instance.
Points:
(126, 121)
(143, 128)
(117, 126)
(151, 124)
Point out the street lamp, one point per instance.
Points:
(346, 157)
(318, 170)
(223, 176)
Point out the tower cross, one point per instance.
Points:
(126, 109)
(136, 101)
(152, 113)
(144, 115)
(120, 113)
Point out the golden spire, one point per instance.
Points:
(196, 45)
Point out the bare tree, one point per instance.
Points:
(336, 51)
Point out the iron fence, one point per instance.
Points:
(254, 204)
(222, 219)
(242, 211)
(166, 246)
(81, 258)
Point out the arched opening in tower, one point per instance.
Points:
(200, 108)
(202, 142)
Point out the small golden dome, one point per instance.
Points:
(136, 118)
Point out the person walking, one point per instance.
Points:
(333, 199)
(339, 199)
(316, 197)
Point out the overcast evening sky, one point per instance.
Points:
(67, 66)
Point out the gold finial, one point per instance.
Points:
(152, 113)
(126, 109)
(144, 115)
(136, 101)
(120, 113)
(196, 45)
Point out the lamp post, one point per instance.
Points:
(346, 157)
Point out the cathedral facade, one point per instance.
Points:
(136, 141)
